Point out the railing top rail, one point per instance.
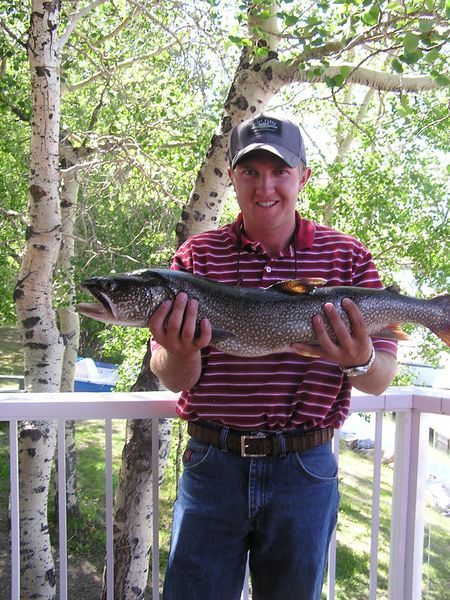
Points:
(87, 405)
(145, 405)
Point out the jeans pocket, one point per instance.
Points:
(196, 454)
(318, 463)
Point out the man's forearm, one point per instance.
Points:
(176, 372)
(379, 376)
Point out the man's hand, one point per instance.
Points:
(353, 346)
(173, 325)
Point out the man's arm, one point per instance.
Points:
(353, 347)
(379, 376)
(177, 363)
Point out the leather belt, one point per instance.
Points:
(252, 445)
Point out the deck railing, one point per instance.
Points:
(411, 406)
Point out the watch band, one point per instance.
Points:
(359, 369)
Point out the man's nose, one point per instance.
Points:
(265, 183)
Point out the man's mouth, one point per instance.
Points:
(267, 204)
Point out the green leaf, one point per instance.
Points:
(404, 101)
(371, 16)
(425, 26)
(261, 51)
(345, 71)
(432, 55)
(234, 39)
(410, 43)
(290, 20)
(412, 58)
(397, 66)
(441, 79)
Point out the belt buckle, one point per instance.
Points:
(244, 443)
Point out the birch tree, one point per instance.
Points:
(306, 45)
(43, 344)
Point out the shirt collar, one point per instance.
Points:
(305, 232)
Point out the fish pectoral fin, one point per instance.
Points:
(297, 286)
(392, 332)
(221, 334)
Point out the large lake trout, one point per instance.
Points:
(255, 322)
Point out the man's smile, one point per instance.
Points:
(267, 204)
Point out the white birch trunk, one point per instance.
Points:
(69, 321)
(133, 508)
(43, 346)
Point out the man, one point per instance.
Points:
(259, 474)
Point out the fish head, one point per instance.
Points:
(127, 299)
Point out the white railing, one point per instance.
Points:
(411, 406)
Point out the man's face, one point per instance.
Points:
(267, 190)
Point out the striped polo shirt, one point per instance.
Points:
(284, 390)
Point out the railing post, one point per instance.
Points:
(408, 503)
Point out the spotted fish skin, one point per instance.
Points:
(255, 322)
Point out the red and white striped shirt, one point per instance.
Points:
(285, 390)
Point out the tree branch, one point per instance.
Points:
(65, 87)
(73, 22)
(288, 72)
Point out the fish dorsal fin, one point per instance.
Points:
(393, 288)
(392, 332)
(297, 286)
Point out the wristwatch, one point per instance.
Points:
(360, 369)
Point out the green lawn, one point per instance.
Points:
(86, 535)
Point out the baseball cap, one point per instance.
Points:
(272, 133)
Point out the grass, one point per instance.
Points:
(86, 536)
(11, 354)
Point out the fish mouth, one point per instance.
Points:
(103, 310)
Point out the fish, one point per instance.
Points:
(260, 321)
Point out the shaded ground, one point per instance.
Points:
(84, 578)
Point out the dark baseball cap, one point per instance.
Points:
(275, 134)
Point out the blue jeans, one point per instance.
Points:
(282, 510)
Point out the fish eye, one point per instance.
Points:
(109, 286)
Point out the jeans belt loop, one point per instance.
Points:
(223, 439)
(281, 443)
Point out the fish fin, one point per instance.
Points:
(392, 332)
(297, 286)
(393, 288)
(444, 335)
(221, 334)
(444, 332)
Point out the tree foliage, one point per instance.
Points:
(143, 84)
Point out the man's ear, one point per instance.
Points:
(304, 176)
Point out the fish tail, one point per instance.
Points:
(443, 330)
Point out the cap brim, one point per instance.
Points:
(291, 159)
